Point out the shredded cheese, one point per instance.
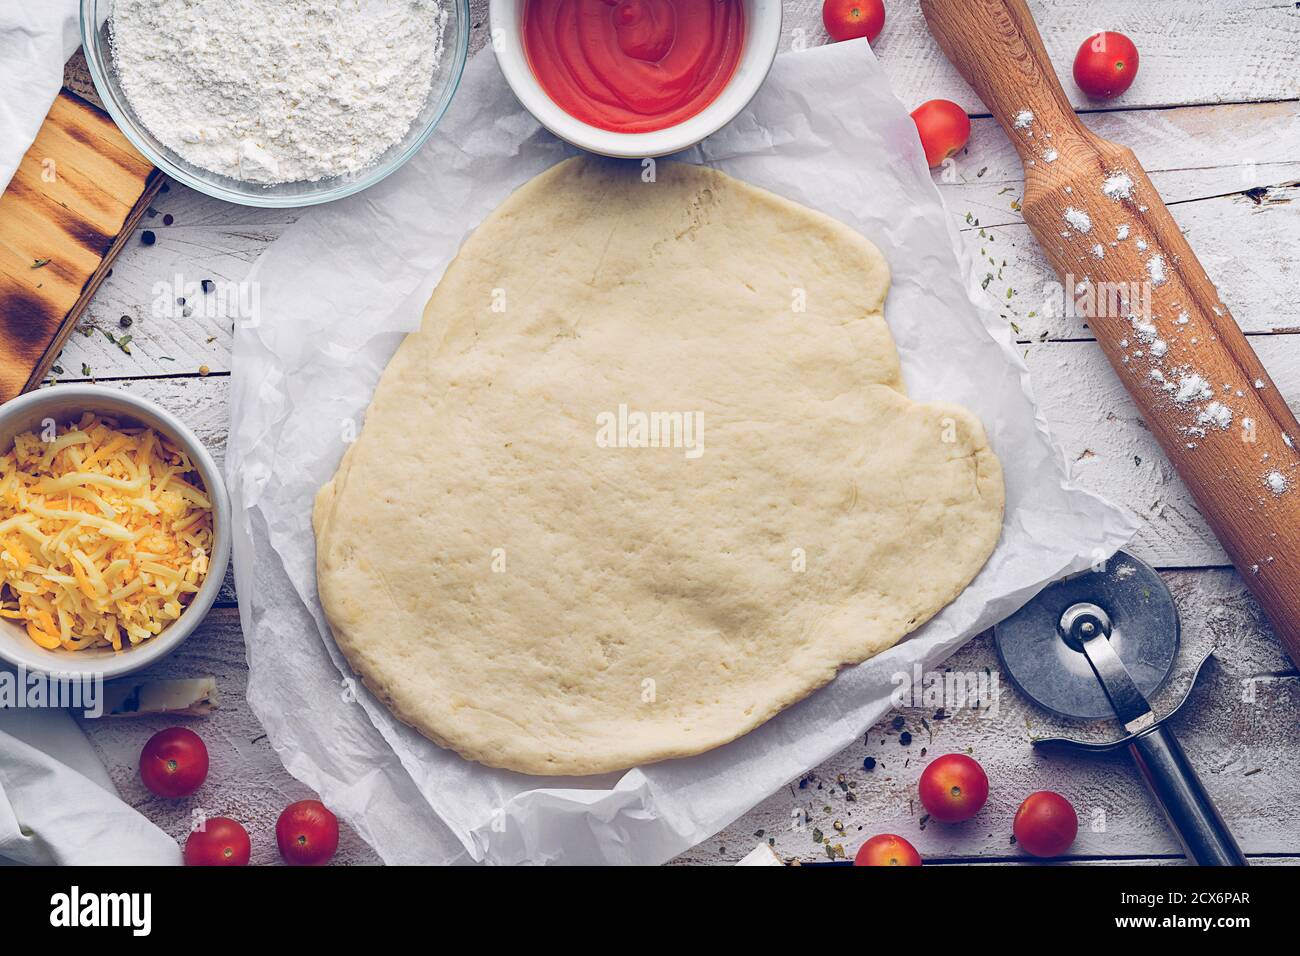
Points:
(105, 533)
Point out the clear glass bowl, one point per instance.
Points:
(99, 57)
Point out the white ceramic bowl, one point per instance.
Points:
(762, 34)
(64, 402)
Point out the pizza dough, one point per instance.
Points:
(520, 572)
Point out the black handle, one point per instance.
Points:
(1205, 837)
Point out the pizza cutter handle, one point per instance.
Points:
(1193, 816)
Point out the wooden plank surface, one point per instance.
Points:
(1192, 51)
(1228, 168)
(68, 209)
(1240, 731)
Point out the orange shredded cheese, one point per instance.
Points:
(105, 533)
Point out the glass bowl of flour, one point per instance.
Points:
(276, 102)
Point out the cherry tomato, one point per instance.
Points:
(850, 19)
(221, 842)
(1106, 65)
(953, 788)
(944, 128)
(174, 763)
(1045, 824)
(308, 834)
(887, 850)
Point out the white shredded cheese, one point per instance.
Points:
(104, 532)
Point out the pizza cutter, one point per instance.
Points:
(1097, 645)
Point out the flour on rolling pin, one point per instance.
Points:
(1208, 406)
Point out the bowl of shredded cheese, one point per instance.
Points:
(114, 535)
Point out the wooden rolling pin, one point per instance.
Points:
(1197, 382)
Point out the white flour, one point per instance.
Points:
(275, 91)
(1118, 186)
(1079, 219)
(1156, 269)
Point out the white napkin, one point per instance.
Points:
(36, 39)
(58, 805)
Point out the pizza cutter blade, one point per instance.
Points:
(1098, 645)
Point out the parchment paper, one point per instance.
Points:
(340, 287)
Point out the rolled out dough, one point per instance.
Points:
(518, 581)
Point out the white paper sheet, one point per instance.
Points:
(340, 287)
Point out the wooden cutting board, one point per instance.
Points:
(73, 202)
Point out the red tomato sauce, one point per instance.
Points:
(633, 66)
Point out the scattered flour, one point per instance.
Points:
(1122, 232)
(1156, 269)
(1216, 414)
(1277, 482)
(1145, 330)
(1024, 119)
(1099, 251)
(1192, 387)
(1051, 156)
(1079, 219)
(1118, 186)
(1142, 245)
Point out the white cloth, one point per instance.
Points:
(36, 39)
(58, 805)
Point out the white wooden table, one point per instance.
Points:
(1215, 118)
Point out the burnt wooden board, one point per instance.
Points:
(70, 206)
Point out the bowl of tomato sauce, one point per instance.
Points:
(635, 78)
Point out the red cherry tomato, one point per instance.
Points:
(953, 788)
(850, 19)
(944, 128)
(174, 763)
(221, 842)
(1106, 65)
(887, 850)
(308, 833)
(1045, 824)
